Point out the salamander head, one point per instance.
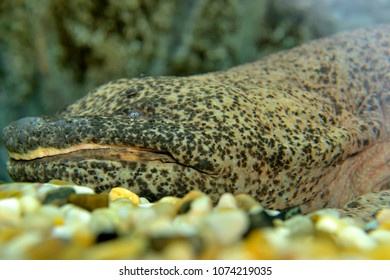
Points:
(157, 136)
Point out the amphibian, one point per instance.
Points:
(308, 126)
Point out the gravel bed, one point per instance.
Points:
(57, 220)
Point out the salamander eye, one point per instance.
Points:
(135, 114)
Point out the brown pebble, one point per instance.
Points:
(8, 194)
(90, 201)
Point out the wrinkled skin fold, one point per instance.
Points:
(308, 127)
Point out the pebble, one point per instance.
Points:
(58, 196)
(381, 236)
(18, 247)
(9, 194)
(248, 203)
(327, 223)
(259, 219)
(228, 226)
(89, 201)
(102, 226)
(104, 221)
(351, 236)
(83, 190)
(74, 215)
(383, 216)
(43, 189)
(11, 206)
(29, 204)
(227, 201)
(299, 225)
(201, 206)
(117, 193)
(185, 203)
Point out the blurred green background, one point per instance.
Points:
(54, 51)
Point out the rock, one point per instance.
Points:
(327, 223)
(44, 189)
(228, 226)
(184, 204)
(11, 206)
(17, 248)
(74, 215)
(9, 194)
(259, 219)
(58, 196)
(381, 236)
(351, 236)
(299, 225)
(90, 201)
(38, 222)
(257, 246)
(165, 209)
(29, 204)
(179, 249)
(83, 190)
(106, 236)
(117, 193)
(144, 201)
(383, 216)
(118, 249)
(227, 201)
(289, 213)
(104, 220)
(248, 203)
(10, 213)
(201, 205)
(184, 207)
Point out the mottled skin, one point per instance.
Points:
(308, 127)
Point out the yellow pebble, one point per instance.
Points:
(58, 221)
(385, 225)
(258, 247)
(383, 216)
(117, 193)
(61, 182)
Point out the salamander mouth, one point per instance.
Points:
(96, 151)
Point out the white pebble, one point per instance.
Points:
(44, 189)
(187, 225)
(328, 223)
(50, 211)
(18, 246)
(75, 215)
(10, 212)
(381, 236)
(278, 237)
(103, 220)
(144, 202)
(299, 225)
(37, 222)
(326, 212)
(141, 217)
(227, 200)
(10, 205)
(82, 190)
(201, 205)
(29, 204)
(228, 226)
(351, 236)
(29, 189)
